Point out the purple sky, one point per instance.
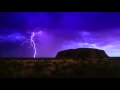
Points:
(57, 31)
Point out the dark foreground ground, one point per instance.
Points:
(89, 68)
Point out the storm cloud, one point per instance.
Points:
(61, 30)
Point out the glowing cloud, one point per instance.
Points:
(12, 37)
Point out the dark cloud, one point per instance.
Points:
(60, 20)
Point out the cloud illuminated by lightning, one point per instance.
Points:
(11, 38)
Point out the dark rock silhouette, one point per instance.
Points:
(80, 53)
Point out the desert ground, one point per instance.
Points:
(62, 68)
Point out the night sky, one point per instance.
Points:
(56, 31)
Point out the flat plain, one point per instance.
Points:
(62, 68)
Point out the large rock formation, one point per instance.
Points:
(82, 53)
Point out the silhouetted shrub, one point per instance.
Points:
(38, 67)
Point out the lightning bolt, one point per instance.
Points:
(33, 43)
(18, 37)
